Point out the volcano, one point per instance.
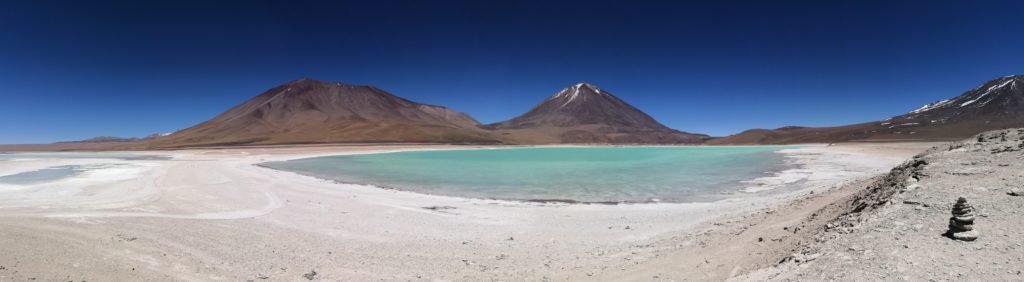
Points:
(308, 111)
(584, 113)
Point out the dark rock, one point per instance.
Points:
(311, 275)
(1016, 192)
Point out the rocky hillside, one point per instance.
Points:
(311, 111)
(898, 228)
(996, 104)
(584, 113)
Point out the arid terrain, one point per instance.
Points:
(995, 104)
(310, 111)
(891, 227)
(405, 140)
(894, 227)
(211, 214)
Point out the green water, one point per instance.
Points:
(584, 174)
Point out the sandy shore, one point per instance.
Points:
(213, 215)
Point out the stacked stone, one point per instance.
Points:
(961, 225)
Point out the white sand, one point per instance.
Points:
(213, 215)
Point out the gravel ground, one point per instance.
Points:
(893, 228)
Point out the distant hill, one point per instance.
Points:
(996, 104)
(584, 113)
(309, 111)
(104, 139)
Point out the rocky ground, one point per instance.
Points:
(894, 227)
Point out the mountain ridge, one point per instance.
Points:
(309, 111)
(995, 104)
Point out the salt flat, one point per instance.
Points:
(213, 214)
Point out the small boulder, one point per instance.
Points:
(1016, 192)
(311, 275)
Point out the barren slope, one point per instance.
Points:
(893, 229)
(583, 113)
(996, 104)
(310, 111)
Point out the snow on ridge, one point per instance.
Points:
(987, 91)
(1001, 85)
(1010, 80)
(902, 124)
(575, 93)
(559, 94)
(930, 106)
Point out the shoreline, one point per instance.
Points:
(263, 220)
(778, 171)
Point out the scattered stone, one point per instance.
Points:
(802, 258)
(912, 187)
(439, 208)
(961, 225)
(1016, 192)
(311, 275)
(126, 238)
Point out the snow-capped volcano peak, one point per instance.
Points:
(586, 85)
(577, 92)
(584, 113)
(584, 103)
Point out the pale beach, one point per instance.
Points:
(215, 215)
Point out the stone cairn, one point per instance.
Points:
(961, 225)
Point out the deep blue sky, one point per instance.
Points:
(76, 69)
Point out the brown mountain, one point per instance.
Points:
(311, 111)
(996, 104)
(583, 113)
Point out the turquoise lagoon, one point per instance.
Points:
(572, 174)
